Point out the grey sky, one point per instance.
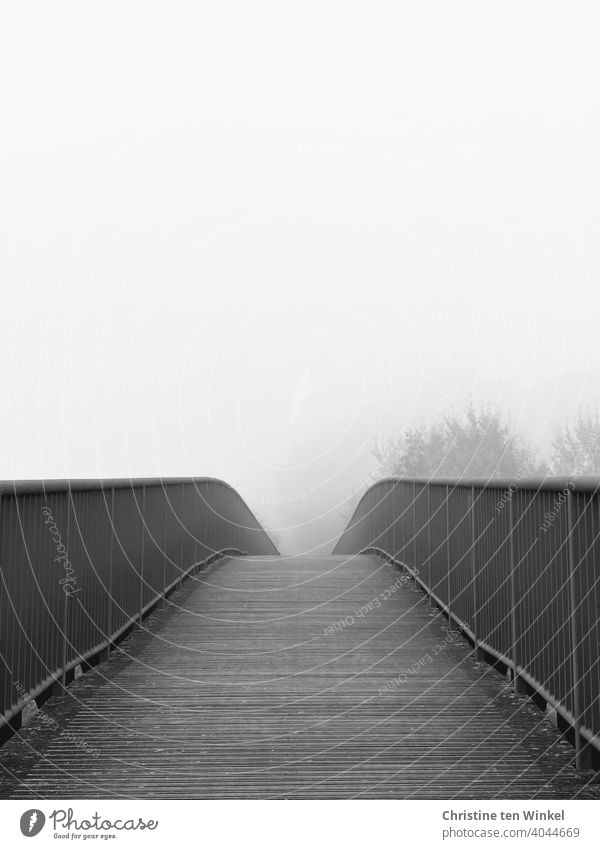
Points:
(244, 240)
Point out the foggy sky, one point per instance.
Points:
(243, 241)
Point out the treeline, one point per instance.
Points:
(481, 442)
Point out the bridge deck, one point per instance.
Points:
(263, 678)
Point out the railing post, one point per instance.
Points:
(181, 531)
(419, 566)
(196, 528)
(163, 598)
(518, 683)
(414, 524)
(428, 580)
(479, 653)
(64, 679)
(448, 564)
(583, 755)
(401, 514)
(165, 538)
(142, 553)
(109, 618)
(65, 627)
(396, 550)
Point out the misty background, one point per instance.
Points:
(247, 241)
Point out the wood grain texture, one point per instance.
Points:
(292, 678)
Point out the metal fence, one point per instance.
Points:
(516, 565)
(81, 561)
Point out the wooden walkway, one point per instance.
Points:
(292, 678)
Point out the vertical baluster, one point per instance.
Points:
(66, 606)
(582, 750)
(518, 683)
(181, 531)
(142, 552)
(479, 653)
(448, 554)
(109, 617)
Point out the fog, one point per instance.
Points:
(244, 241)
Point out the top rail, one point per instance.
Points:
(543, 484)
(31, 487)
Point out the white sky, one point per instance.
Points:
(241, 240)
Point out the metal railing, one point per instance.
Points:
(516, 565)
(82, 560)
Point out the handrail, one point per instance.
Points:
(515, 564)
(82, 560)
(553, 483)
(28, 487)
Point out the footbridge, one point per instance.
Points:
(155, 644)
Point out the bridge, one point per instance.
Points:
(154, 644)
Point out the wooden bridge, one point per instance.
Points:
(282, 678)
